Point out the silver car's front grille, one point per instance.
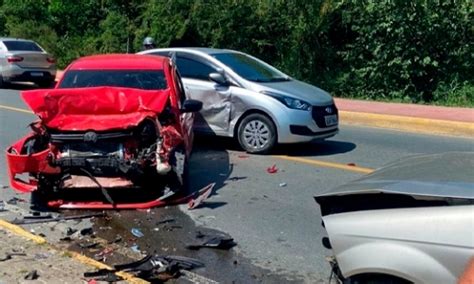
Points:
(319, 113)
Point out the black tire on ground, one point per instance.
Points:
(257, 134)
(38, 200)
(1, 81)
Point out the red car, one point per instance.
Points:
(116, 132)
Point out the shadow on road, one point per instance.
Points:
(210, 163)
(322, 148)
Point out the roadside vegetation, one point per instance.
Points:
(392, 50)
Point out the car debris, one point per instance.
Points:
(57, 219)
(9, 255)
(137, 233)
(87, 231)
(272, 170)
(38, 215)
(102, 255)
(217, 241)
(103, 275)
(282, 184)
(88, 245)
(166, 221)
(236, 178)
(15, 200)
(117, 239)
(107, 138)
(202, 195)
(135, 248)
(32, 275)
(2, 206)
(156, 267)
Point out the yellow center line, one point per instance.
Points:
(16, 109)
(326, 164)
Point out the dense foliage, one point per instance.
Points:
(416, 51)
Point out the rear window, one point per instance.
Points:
(138, 79)
(18, 45)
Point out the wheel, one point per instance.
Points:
(1, 81)
(257, 134)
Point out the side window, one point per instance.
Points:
(193, 69)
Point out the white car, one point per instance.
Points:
(412, 221)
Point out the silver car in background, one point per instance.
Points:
(26, 61)
(412, 221)
(246, 98)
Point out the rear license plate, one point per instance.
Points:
(36, 74)
(331, 119)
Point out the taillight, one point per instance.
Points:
(13, 58)
(51, 60)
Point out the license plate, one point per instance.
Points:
(36, 74)
(331, 119)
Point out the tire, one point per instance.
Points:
(1, 81)
(257, 134)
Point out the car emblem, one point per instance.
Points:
(90, 136)
(329, 109)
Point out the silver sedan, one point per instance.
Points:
(248, 99)
(25, 60)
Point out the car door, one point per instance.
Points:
(216, 99)
(185, 118)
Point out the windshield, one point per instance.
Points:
(138, 79)
(250, 68)
(17, 45)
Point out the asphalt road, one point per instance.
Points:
(272, 217)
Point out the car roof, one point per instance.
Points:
(15, 39)
(118, 62)
(445, 175)
(205, 50)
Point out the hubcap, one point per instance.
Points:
(256, 134)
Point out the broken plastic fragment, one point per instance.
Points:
(32, 275)
(351, 164)
(137, 233)
(272, 170)
(135, 248)
(213, 241)
(283, 184)
(203, 194)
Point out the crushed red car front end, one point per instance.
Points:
(100, 147)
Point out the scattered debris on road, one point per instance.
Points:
(2, 206)
(32, 275)
(283, 184)
(202, 195)
(351, 164)
(272, 170)
(137, 233)
(15, 200)
(9, 255)
(87, 231)
(217, 241)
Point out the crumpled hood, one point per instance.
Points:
(299, 90)
(98, 108)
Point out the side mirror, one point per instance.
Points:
(191, 106)
(218, 78)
